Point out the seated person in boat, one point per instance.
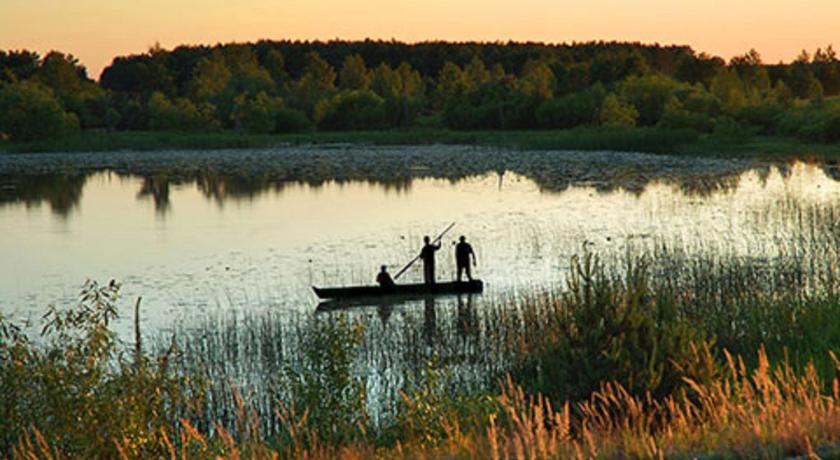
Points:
(384, 278)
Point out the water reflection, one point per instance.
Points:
(62, 192)
(467, 319)
(230, 267)
(158, 188)
(429, 321)
(272, 225)
(221, 178)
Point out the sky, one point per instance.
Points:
(97, 30)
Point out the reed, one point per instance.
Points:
(662, 351)
(769, 412)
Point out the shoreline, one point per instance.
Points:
(641, 140)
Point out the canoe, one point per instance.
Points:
(354, 292)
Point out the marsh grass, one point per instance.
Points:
(640, 325)
(768, 412)
(662, 351)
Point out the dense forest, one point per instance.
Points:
(293, 86)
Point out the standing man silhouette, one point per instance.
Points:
(463, 252)
(428, 256)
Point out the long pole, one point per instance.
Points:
(418, 255)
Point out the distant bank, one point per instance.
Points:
(639, 139)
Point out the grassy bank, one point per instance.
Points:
(651, 140)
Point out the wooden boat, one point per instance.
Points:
(355, 292)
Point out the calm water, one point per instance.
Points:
(195, 235)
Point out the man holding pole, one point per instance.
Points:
(428, 256)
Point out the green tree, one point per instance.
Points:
(451, 82)
(677, 116)
(698, 69)
(648, 94)
(275, 63)
(317, 81)
(609, 67)
(319, 73)
(180, 114)
(385, 81)
(354, 74)
(68, 80)
(210, 77)
(62, 73)
(227, 79)
(802, 81)
(780, 94)
(537, 80)
(827, 70)
(29, 111)
(570, 110)
(616, 113)
(753, 76)
(476, 72)
(493, 105)
(258, 113)
(729, 90)
(411, 83)
(18, 65)
(402, 90)
(248, 76)
(352, 109)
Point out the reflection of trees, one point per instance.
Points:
(158, 188)
(233, 178)
(61, 191)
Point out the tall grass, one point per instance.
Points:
(661, 352)
(768, 412)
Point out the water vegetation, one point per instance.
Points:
(648, 140)
(659, 352)
(220, 175)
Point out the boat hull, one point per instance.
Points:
(356, 292)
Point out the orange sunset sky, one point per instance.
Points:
(97, 30)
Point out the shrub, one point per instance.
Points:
(649, 95)
(571, 110)
(288, 120)
(180, 114)
(80, 391)
(29, 112)
(729, 130)
(612, 328)
(493, 105)
(765, 117)
(357, 109)
(614, 113)
(258, 114)
(815, 122)
(677, 117)
(325, 386)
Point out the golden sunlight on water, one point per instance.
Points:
(265, 248)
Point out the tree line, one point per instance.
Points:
(294, 86)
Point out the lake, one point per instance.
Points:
(224, 246)
(196, 231)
